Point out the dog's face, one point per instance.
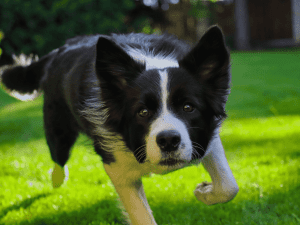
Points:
(165, 109)
(166, 117)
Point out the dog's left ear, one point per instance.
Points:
(209, 62)
(208, 56)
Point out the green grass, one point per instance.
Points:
(261, 138)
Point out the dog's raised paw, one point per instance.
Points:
(208, 194)
(204, 192)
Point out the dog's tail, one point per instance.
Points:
(22, 80)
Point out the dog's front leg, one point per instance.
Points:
(223, 187)
(132, 195)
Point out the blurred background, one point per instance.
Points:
(38, 26)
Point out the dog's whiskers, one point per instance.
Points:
(196, 148)
(139, 148)
(197, 145)
(195, 154)
(139, 152)
(141, 156)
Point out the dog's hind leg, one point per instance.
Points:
(59, 175)
(61, 133)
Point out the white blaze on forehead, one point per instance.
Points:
(160, 63)
(153, 62)
(164, 89)
(167, 121)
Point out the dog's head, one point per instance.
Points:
(165, 107)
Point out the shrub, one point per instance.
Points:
(39, 26)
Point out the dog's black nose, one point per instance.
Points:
(168, 141)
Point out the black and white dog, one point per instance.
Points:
(149, 103)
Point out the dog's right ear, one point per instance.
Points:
(114, 67)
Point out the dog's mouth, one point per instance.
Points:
(171, 162)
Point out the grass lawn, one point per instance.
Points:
(261, 138)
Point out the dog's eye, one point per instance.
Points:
(188, 108)
(143, 113)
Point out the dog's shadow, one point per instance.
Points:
(23, 204)
(86, 214)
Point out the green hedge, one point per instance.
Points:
(39, 26)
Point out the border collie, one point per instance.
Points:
(150, 104)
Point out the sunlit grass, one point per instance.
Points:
(261, 138)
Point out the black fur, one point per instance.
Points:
(93, 78)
